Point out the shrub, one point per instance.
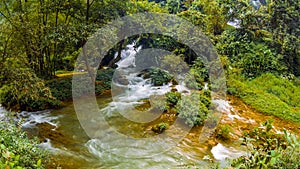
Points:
(159, 102)
(223, 132)
(212, 120)
(269, 150)
(26, 92)
(159, 77)
(17, 151)
(192, 109)
(284, 89)
(161, 127)
(173, 98)
(61, 88)
(197, 75)
(254, 57)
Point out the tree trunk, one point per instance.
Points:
(88, 66)
(85, 55)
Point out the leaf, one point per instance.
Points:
(39, 163)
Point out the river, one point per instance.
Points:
(124, 143)
(70, 147)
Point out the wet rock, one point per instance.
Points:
(122, 81)
(174, 89)
(144, 106)
(144, 74)
(48, 131)
(160, 128)
(174, 81)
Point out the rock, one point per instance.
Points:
(174, 82)
(122, 81)
(48, 131)
(174, 89)
(159, 128)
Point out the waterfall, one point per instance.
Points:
(128, 56)
(2, 113)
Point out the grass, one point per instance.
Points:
(268, 94)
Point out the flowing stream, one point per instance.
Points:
(71, 147)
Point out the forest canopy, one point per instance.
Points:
(41, 38)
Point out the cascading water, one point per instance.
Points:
(130, 90)
(145, 154)
(2, 111)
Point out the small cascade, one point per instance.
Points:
(221, 153)
(2, 112)
(225, 107)
(235, 23)
(128, 56)
(33, 118)
(182, 88)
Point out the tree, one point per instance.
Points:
(285, 26)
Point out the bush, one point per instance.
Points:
(269, 150)
(27, 92)
(17, 151)
(159, 77)
(284, 89)
(61, 88)
(197, 75)
(223, 132)
(173, 98)
(192, 109)
(159, 102)
(161, 127)
(254, 57)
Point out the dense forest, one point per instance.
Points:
(257, 42)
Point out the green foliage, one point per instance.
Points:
(23, 90)
(269, 150)
(144, 5)
(175, 65)
(105, 75)
(163, 126)
(212, 119)
(194, 108)
(173, 98)
(159, 128)
(268, 94)
(197, 75)
(165, 102)
(253, 58)
(17, 151)
(284, 24)
(223, 132)
(214, 16)
(159, 102)
(282, 88)
(159, 77)
(61, 88)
